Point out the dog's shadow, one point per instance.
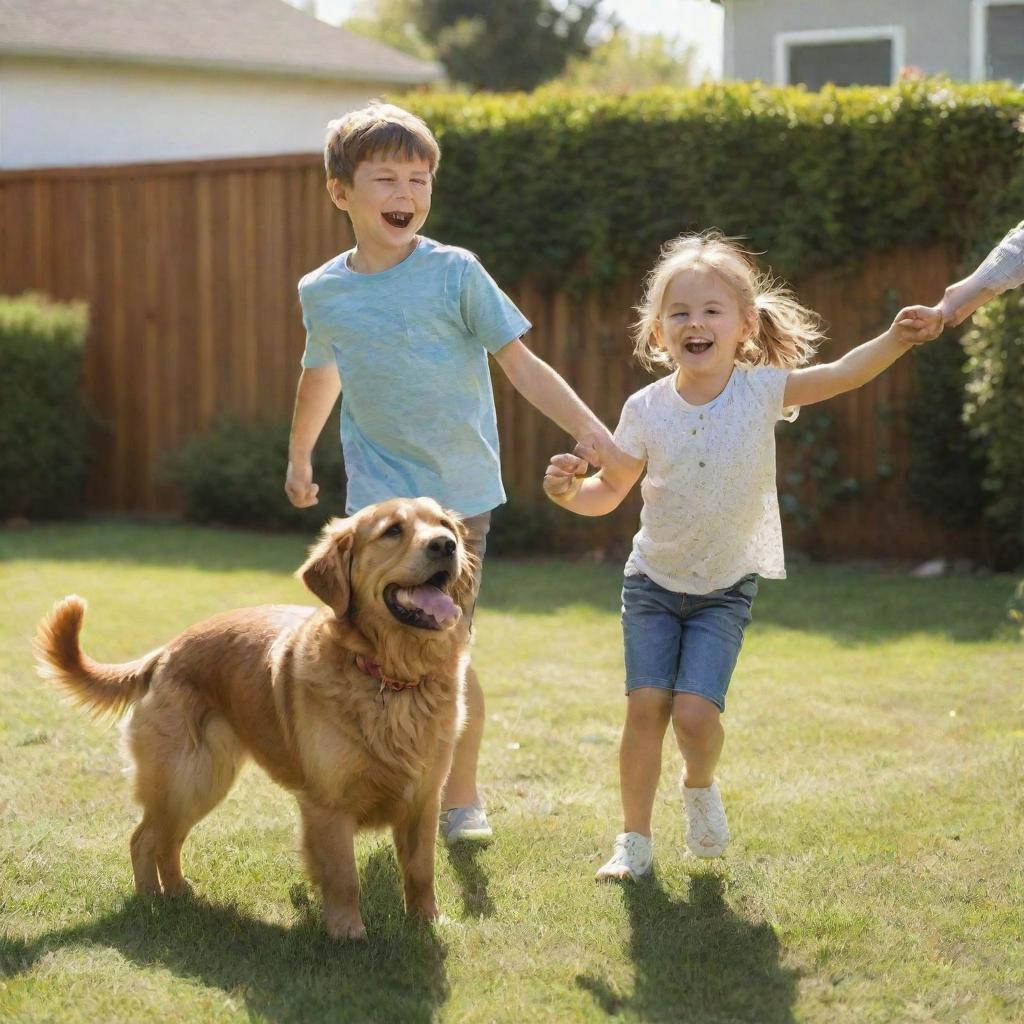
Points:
(287, 974)
(697, 961)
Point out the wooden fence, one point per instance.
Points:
(190, 270)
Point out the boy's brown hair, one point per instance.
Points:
(379, 130)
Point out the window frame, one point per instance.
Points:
(979, 34)
(894, 34)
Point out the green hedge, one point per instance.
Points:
(946, 465)
(581, 189)
(234, 475)
(45, 425)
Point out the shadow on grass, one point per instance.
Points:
(697, 961)
(476, 901)
(849, 604)
(852, 606)
(289, 975)
(856, 607)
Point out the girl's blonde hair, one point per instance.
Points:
(786, 334)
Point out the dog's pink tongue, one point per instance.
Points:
(437, 604)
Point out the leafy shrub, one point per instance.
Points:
(44, 421)
(234, 474)
(994, 414)
(964, 397)
(946, 465)
(808, 481)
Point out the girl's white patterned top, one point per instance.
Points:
(711, 510)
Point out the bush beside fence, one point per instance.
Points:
(234, 475)
(44, 422)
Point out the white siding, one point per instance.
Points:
(62, 113)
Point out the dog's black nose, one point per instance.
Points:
(441, 547)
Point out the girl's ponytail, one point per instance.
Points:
(787, 333)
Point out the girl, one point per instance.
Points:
(735, 341)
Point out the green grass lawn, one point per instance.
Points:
(872, 773)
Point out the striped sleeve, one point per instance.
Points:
(1003, 268)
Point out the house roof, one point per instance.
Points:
(262, 36)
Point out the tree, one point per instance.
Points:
(394, 22)
(504, 45)
(632, 60)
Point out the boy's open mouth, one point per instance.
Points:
(398, 219)
(696, 347)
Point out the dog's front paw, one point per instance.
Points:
(426, 910)
(179, 889)
(344, 925)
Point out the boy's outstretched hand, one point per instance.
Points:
(915, 324)
(594, 449)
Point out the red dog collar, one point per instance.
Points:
(371, 668)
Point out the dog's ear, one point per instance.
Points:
(326, 570)
(463, 591)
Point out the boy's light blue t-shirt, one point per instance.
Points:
(411, 345)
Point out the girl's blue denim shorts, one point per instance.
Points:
(684, 643)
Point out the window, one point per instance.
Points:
(857, 56)
(997, 40)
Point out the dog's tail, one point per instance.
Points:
(103, 689)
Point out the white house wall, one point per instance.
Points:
(57, 113)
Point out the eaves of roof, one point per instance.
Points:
(354, 73)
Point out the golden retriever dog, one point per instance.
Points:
(353, 707)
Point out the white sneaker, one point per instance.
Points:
(460, 823)
(631, 858)
(707, 831)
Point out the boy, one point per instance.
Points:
(402, 326)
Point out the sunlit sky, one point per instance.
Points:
(693, 21)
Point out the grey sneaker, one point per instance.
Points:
(707, 831)
(458, 823)
(631, 858)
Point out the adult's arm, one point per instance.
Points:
(1000, 271)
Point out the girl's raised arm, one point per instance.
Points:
(811, 384)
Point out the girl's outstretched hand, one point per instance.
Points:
(564, 475)
(915, 324)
